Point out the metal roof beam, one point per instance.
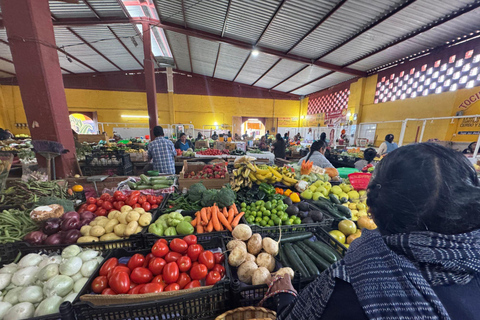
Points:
(93, 48)
(290, 77)
(189, 53)
(126, 48)
(241, 68)
(311, 81)
(265, 73)
(270, 22)
(184, 15)
(216, 59)
(8, 72)
(92, 9)
(224, 28)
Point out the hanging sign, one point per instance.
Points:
(288, 122)
(465, 104)
(469, 126)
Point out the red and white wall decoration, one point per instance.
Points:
(329, 103)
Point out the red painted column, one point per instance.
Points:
(150, 86)
(32, 43)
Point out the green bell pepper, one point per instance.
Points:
(157, 229)
(267, 188)
(170, 232)
(276, 197)
(174, 219)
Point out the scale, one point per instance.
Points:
(96, 179)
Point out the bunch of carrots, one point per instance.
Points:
(213, 218)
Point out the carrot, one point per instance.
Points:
(231, 215)
(209, 226)
(225, 222)
(199, 228)
(203, 213)
(225, 212)
(234, 207)
(198, 218)
(194, 221)
(237, 219)
(215, 216)
(209, 213)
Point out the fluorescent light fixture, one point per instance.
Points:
(215, 123)
(252, 119)
(255, 52)
(302, 117)
(349, 114)
(134, 116)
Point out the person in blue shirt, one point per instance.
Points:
(388, 145)
(162, 152)
(183, 143)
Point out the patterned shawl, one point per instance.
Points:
(393, 276)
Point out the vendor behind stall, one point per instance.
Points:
(162, 152)
(279, 147)
(368, 155)
(316, 155)
(183, 143)
(388, 145)
(214, 135)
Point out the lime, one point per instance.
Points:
(274, 211)
(263, 223)
(271, 223)
(284, 218)
(280, 208)
(268, 205)
(267, 213)
(273, 216)
(297, 220)
(250, 219)
(243, 205)
(276, 221)
(292, 217)
(258, 219)
(288, 222)
(266, 218)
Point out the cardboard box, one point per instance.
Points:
(92, 137)
(201, 144)
(219, 145)
(208, 183)
(231, 146)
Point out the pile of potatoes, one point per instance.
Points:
(253, 256)
(117, 225)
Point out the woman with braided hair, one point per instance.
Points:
(423, 261)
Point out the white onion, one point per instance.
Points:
(9, 268)
(77, 276)
(19, 311)
(30, 260)
(58, 286)
(12, 296)
(31, 294)
(49, 260)
(88, 255)
(89, 268)
(77, 287)
(5, 280)
(48, 306)
(47, 272)
(71, 251)
(4, 307)
(25, 277)
(70, 266)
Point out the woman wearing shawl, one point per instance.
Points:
(423, 261)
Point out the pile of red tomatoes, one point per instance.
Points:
(106, 203)
(182, 264)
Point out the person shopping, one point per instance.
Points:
(183, 143)
(279, 147)
(316, 155)
(388, 145)
(423, 260)
(368, 155)
(162, 152)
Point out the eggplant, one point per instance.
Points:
(35, 237)
(71, 215)
(52, 225)
(54, 239)
(316, 215)
(70, 224)
(87, 215)
(71, 236)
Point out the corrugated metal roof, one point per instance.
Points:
(104, 8)
(170, 11)
(324, 83)
(310, 73)
(293, 21)
(204, 54)
(125, 32)
(418, 14)
(247, 18)
(107, 8)
(255, 67)
(178, 45)
(282, 70)
(230, 61)
(206, 15)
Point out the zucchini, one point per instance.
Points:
(329, 208)
(323, 250)
(344, 210)
(295, 261)
(296, 237)
(334, 199)
(162, 178)
(282, 257)
(144, 179)
(143, 187)
(132, 185)
(319, 261)
(161, 186)
(311, 267)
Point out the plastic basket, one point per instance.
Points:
(360, 180)
(204, 304)
(344, 172)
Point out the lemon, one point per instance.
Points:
(362, 213)
(346, 245)
(352, 206)
(346, 187)
(362, 193)
(313, 187)
(338, 235)
(322, 190)
(347, 227)
(361, 206)
(336, 190)
(353, 195)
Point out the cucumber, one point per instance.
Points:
(161, 186)
(144, 179)
(296, 237)
(295, 261)
(143, 187)
(323, 250)
(320, 262)
(282, 257)
(132, 185)
(329, 208)
(334, 198)
(162, 178)
(311, 267)
(344, 210)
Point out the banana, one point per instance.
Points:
(287, 184)
(278, 179)
(262, 171)
(289, 180)
(246, 172)
(252, 177)
(275, 173)
(251, 167)
(237, 165)
(250, 184)
(236, 189)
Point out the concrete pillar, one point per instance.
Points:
(32, 43)
(149, 70)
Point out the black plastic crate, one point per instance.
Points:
(8, 252)
(202, 304)
(322, 234)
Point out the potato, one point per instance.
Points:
(101, 218)
(97, 231)
(109, 226)
(130, 229)
(122, 218)
(266, 260)
(242, 232)
(126, 209)
(246, 270)
(109, 237)
(254, 245)
(260, 276)
(139, 229)
(133, 216)
(286, 270)
(145, 219)
(102, 223)
(236, 243)
(113, 214)
(87, 239)
(93, 223)
(85, 230)
(139, 210)
(237, 256)
(250, 257)
(119, 229)
(270, 246)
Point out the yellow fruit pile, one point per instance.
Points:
(348, 231)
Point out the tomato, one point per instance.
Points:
(207, 258)
(172, 256)
(101, 212)
(116, 194)
(159, 279)
(122, 197)
(135, 193)
(198, 272)
(99, 284)
(136, 290)
(172, 287)
(193, 284)
(118, 269)
(148, 257)
(146, 206)
(183, 280)
(105, 196)
(184, 264)
(121, 204)
(156, 265)
(107, 205)
(136, 205)
(142, 199)
(92, 207)
(160, 248)
(219, 258)
(194, 251)
(91, 200)
(154, 206)
(108, 265)
(212, 278)
(119, 282)
(108, 292)
(178, 245)
(152, 288)
(100, 202)
(133, 284)
(151, 199)
(137, 260)
(159, 199)
(220, 269)
(116, 206)
(170, 273)
(191, 239)
(83, 207)
(194, 264)
(131, 200)
(141, 275)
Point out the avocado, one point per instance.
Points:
(316, 215)
(308, 220)
(303, 206)
(288, 201)
(292, 210)
(302, 214)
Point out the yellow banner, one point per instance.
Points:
(469, 126)
(313, 120)
(288, 122)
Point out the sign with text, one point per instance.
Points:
(288, 122)
(465, 104)
(313, 120)
(469, 126)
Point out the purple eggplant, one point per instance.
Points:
(54, 239)
(87, 215)
(71, 215)
(71, 236)
(52, 225)
(35, 237)
(70, 224)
